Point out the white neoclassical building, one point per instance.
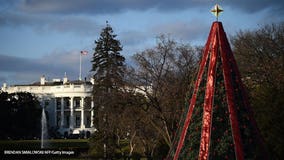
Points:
(69, 104)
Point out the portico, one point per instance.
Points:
(69, 104)
(77, 113)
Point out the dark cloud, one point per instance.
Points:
(96, 6)
(22, 70)
(54, 65)
(73, 24)
(133, 37)
(252, 6)
(183, 30)
(115, 6)
(70, 15)
(16, 64)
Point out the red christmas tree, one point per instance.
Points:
(219, 123)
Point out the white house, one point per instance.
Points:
(69, 104)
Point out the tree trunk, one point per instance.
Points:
(131, 144)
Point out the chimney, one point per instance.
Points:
(4, 88)
(92, 81)
(42, 80)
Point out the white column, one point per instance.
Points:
(82, 113)
(55, 112)
(71, 112)
(62, 112)
(92, 113)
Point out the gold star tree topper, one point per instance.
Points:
(216, 10)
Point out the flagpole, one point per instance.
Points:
(81, 53)
(80, 73)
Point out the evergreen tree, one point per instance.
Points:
(108, 68)
(108, 64)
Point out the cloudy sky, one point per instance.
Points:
(45, 37)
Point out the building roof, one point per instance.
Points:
(56, 83)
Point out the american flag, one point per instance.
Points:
(84, 52)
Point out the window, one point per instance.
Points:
(67, 121)
(58, 120)
(77, 103)
(58, 103)
(88, 123)
(78, 120)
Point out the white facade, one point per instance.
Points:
(69, 104)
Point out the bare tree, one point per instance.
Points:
(260, 55)
(163, 74)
